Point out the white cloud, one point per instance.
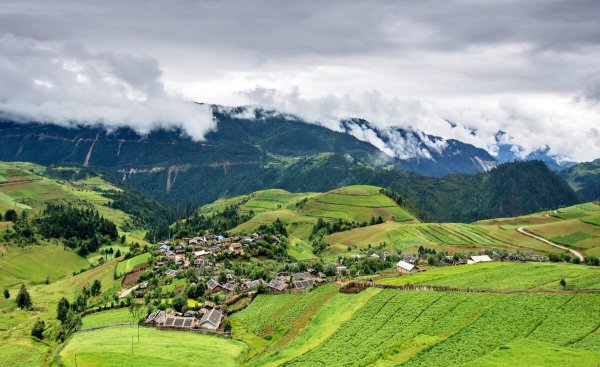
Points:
(65, 84)
(531, 121)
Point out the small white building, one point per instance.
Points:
(474, 259)
(405, 268)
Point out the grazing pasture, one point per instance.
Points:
(113, 347)
(34, 264)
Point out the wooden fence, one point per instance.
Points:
(224, 334)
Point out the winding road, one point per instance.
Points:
(523, 231)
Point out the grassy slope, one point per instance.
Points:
(23, 186)
(358, 203)
(506, 276)
(33, 264)
(575, 226)
(451, 237)
(112, 347)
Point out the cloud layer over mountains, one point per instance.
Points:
(67, 84)
(528, 68)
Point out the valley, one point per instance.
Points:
(280, 262)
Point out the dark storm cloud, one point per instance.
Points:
(518, 66)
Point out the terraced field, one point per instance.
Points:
(451, 237)
(23, 186)
(273, 199)
(390, 328)
(498, 275)
(579, 234)
(358, 203)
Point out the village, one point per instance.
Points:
(205, 278)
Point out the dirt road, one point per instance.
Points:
(523, 231)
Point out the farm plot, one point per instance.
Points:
(272, 321)
(433, 328)
(113, 347)
(572, 233)
(358, 203)
(108, 317)
(497, 275)
(272, 199)
(128, 265)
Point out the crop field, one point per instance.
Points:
(550, 216)
(273, 199)
(271, 322)
(451, 237)
(432, 328)
(128, 265)
(33, 264)
(498, 275)
(284, 215)
(113, 347)
(358, 203)
(593, 219)
(220, 204)
(334, 313)
(108, 317)
(575, 233)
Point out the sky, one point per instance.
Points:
(527, 68)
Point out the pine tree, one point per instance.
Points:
(23, 299)
(62, 310)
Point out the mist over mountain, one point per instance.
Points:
(264, 149)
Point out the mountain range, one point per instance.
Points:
(265, 149)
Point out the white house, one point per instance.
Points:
(474, 259)
(405, 268)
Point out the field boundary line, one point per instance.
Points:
(429, 288)
(108, 326)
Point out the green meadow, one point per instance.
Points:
(113, 347)
(34, 264)
(108, 317)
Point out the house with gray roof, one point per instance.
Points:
(211, 319)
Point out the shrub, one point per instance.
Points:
(38, 329)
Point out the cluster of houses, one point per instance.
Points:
(281, 282)
(409, 264)
(209, 317)
(204, 249)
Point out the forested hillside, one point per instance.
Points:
(274, 151)
(584, 178)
